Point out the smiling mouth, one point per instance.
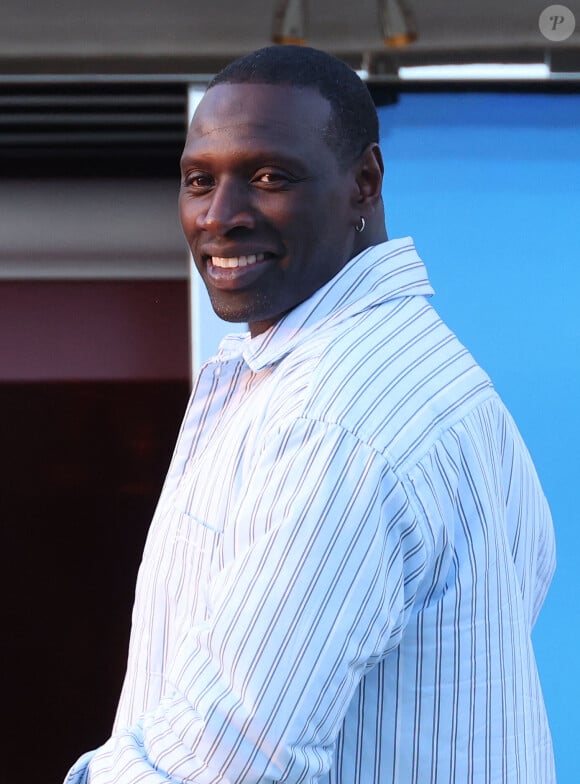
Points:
(234, 273)
(232, 262)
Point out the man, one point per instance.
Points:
(352, 545)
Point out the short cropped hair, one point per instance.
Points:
(353, 123)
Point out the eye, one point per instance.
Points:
(272, 178)
(198, 180)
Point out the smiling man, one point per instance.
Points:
(351, 546)
(268, 207)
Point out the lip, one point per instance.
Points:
(231, 278)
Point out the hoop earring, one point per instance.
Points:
(361, 226)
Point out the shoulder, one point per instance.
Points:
(394, 375)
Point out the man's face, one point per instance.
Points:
(267, 209)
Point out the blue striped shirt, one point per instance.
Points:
(346, 561)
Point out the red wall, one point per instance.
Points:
(94, 330)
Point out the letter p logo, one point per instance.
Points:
(557, 23)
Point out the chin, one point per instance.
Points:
(241, 312)
(229, 316)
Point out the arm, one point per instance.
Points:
(322, 573)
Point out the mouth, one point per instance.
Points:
(235, 262)
(236, 272)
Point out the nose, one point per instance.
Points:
(229, 208)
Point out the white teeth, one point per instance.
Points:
(236, 261)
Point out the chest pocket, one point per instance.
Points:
(199, 503)
(195, 533)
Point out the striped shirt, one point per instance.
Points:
(347, 558)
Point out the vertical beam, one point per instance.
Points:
(206, 329)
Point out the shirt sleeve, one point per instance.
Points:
(79, 772)
(320, 572)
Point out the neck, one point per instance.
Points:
(373, 235)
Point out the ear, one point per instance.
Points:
(369, 170)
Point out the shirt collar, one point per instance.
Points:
(379, 273)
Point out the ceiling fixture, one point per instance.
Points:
(289, 25)
(398, 25)
(475, 71)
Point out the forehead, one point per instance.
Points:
(260, 114)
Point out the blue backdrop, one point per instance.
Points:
(489, 187)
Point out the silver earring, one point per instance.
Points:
(361, 226)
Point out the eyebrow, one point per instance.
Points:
(263, 156)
